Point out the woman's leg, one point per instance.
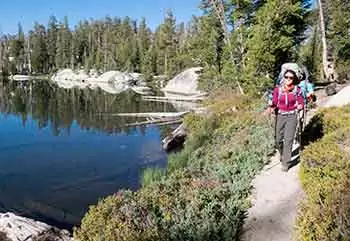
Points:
(289, 134)
(280, 129)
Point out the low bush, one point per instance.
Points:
(333, 119)
(325, 177)
(326, 121)
(203, 194)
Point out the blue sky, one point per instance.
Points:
(29, 11)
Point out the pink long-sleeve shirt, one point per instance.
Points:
(287, 101)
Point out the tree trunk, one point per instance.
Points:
(328, 67)
(1, 57)
(72, 57)
(105, 47)
(166, 63)
(218, 6)
(29, 56)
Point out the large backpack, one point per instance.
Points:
(289, 66)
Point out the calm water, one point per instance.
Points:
(59, 154)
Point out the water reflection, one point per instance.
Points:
(59, 154)
(44, 102)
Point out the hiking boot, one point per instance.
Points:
(284, 168)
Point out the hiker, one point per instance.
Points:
(307, 88)
(287, 101)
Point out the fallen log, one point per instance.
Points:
(169, 123)
(155, 122)
(179, 98)
(170, 101)
(175, 139)
(153, 114)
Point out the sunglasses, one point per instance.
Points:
(289, 77)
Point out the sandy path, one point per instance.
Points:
(275, 200)
(276, 194)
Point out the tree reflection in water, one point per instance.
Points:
(65, 157)
(45, 103)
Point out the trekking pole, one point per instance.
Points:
(304, 118)
(299, 130)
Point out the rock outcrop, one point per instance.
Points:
(185, 83)
(340, 99)
(16, 228)
(113, 82)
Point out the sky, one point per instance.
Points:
(28, 11)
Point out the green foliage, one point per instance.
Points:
(339, 35)
(63, 54)
(241, 45)
(151, 175)
(325, 175)
(310, 55)
(105, 44)
(17, 50)
(166, 45)
(333, 119)
(39, 54)
(204, 193)
(278, 30)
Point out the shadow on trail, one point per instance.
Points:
(313, 131)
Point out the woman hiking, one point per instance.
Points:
(287, 100)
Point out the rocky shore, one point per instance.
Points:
(17, 228)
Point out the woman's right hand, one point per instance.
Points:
(270, 110)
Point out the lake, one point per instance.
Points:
(61, 150)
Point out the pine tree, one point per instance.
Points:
(166, 45)
(339, 36)
(144, 45)
(63, 53)
(17, 51)
(135, 54)
(4, 58)
(232, 21)
(183, 58)
(310, 55)
(279, 29)
(39, 54)
(205, 47)
(52, 31)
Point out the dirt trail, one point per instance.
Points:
(276, 194)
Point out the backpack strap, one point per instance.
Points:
(296, 92)
(280, 94)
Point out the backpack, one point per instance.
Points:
(289, 66)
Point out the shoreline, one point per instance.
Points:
(21, 228)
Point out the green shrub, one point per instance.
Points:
(204, 193)
(325, 177)
(335, 118)
(324, 122)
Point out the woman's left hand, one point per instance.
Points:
(300, 107)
